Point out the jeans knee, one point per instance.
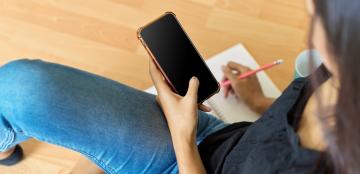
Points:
(21, 78)
(23, 69)
(23, 85)
(22, 65)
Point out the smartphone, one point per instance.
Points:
(176, 56)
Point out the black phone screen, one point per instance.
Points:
(177, 56)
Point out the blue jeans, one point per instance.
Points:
(121, 129)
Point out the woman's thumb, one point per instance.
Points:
(193, 87)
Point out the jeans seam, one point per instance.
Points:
(101, 163)
(98, 161)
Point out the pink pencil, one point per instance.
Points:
(252, 72)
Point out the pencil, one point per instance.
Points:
(252, 72)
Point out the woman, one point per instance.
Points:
(311, 128)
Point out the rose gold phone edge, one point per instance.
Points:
(157, 64)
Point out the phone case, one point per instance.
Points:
(154, 59)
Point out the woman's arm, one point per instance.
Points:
(260, 104)
(188, 156)
(181, 116)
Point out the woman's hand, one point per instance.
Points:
(245, 89)
(180, 112)
(248, 89)
(181, 116)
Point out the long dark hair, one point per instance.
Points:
(341, 21)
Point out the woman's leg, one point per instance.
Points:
(119, 128)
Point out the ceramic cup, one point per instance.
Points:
(303, 63)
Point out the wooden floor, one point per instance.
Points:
(100, 36)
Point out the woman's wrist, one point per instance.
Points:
(252, 100)
(181, 144)
(184, 138)
(259, 103)
(188, 157)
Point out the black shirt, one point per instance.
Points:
(270, 144)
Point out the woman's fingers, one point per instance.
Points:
(193, 88)
(204, 108)
(226, 89)
(157, 77)
(232, 91)
(193, 92)
(226, 92)
(235, 66)
(229, 74)
(229, 92)
(232, 71)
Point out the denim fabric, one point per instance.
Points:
(120, 128)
